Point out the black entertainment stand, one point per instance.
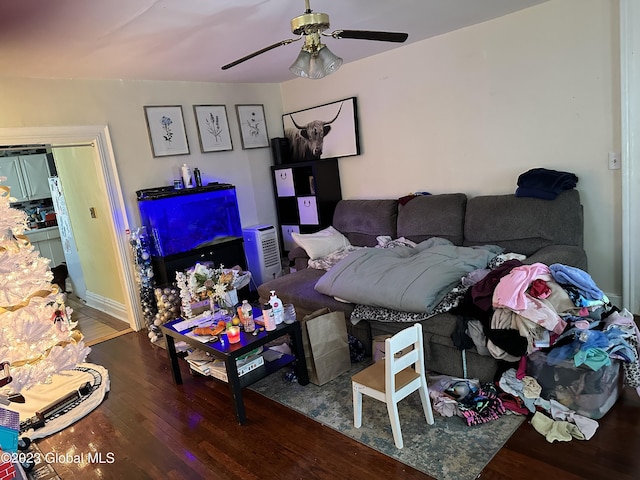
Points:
(228, 253)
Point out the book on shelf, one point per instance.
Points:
(202, 369)
(216, 368)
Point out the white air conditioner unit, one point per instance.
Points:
(263, 252)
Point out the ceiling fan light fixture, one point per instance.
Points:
(315, 60)
(300, 67)
(315, 66)
(328, 61)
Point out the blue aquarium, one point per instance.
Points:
(183, 220)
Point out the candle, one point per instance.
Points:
(233, 334)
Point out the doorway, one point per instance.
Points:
(630, 126)
(107, 177)
(65, 228)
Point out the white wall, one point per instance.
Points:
(119, 104)
(471, 110)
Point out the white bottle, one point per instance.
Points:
(187, 179)
(268, 318)
(278, 308)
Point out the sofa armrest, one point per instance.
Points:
(299, 258)
(564, 254)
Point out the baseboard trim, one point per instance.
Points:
(615, 299)
(106, 305)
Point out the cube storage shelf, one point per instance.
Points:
(306, 196)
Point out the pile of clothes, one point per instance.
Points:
(476, 403)
(513, 310)
(559, 331)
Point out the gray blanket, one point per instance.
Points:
(404, 278)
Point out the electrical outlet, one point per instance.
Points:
(614, 161)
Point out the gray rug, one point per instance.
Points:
(447, 450)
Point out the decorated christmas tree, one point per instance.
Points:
(37, 337)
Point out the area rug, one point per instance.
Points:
(446, 450)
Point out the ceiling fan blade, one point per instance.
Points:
(260, 52)
(371, 35)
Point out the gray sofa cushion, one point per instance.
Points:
(361, 221)
(523, 224)
(427, 216)
(298, 288)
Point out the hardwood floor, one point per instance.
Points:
(157, 430)
(95, 325)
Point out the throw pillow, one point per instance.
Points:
(321, 243)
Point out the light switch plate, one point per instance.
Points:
(614, 161)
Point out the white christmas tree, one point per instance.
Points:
(37, 338)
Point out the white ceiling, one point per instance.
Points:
(191, 39)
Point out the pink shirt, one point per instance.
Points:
(510, 291)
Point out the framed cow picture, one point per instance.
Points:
(325, 131)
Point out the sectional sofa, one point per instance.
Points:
(546, 231)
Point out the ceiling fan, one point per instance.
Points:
(315, 59)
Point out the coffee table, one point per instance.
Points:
(229, 353)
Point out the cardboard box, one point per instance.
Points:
(378, 346)
(589, 393)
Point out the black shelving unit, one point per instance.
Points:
(306, 196)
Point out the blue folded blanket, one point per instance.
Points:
(544, 183)
(567, 275)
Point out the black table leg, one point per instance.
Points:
(236, 390)
(173, 358)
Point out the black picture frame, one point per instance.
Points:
(305, 128)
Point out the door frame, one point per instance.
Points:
(99, 136)
(630, 141)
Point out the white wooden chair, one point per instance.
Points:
(390, 380)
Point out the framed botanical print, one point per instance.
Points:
(167, 134)
(253, 126)
(213, 128)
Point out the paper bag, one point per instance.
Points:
(326, 345)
